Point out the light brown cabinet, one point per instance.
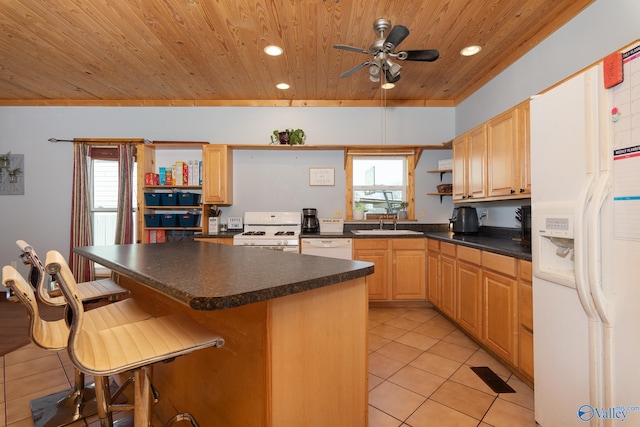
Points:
(469, 290)
(217, 171)
(492, 161)
(489, 296)
(399, 271)
(469, 165)
(500, 299)
(525, 311)
(220, 240)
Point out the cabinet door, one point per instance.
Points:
(469, 298)
(377, 252)
(448, 284)
(433, 277)
(217, 174)
(477, 164)
(460, 168)
(525, 310)
(500, 329)
(524, 149)
(409, 274)
(502, 151)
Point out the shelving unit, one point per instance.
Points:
(150, 220)
(441, 172)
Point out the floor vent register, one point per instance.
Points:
(492, 379)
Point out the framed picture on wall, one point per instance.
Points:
(322, 176)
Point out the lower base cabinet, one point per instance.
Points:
(399, 268)
(489, 296)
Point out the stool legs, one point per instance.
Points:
(103, 401)
(142, 399)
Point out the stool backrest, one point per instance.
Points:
(50, 335)
(39, 277)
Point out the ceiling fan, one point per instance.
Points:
(382, 50)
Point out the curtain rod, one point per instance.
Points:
(103, 141)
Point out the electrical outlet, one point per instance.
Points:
(485, 215)
(337, 213)
(421, 214)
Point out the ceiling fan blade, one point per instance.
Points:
(395, 37)
(389, 77)
(350, 48)
(428, 55)
(354, 69)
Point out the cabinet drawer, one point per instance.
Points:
(433, 245)
(469, 254)
(500, 263)
(448, 249)
(416, 244)
(525, 270)
(370, 243)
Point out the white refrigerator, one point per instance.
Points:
(585, 163)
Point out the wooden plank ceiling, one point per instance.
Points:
(210, 52)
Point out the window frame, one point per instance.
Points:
(411, 156)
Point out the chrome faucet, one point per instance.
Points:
(381, 223)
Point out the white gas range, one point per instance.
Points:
(271, 230)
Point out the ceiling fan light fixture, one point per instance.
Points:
(393, 68)
(470, 50)
(387, 86)
(273, 50)
(282, 86)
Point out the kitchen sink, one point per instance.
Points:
(379, 232)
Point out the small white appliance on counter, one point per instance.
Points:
(331, 225)
(271, 230)
(585, 244)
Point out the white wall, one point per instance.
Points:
(266, 180)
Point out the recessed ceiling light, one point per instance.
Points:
(470, 50)
(282, 86)
(388, 85)
(273, 50)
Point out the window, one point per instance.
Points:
(104, 196)
(379, 181)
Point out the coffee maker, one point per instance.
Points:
(310, 223)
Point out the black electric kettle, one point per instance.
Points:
(464, 220)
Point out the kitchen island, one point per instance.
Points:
(295, 328)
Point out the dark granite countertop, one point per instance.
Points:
(497, 244)
(208, 276)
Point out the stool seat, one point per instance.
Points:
(126, 345)
(87, 291)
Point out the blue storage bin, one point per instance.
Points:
(188, 199)
(169, 220)
(188, 220)
(169, 199)
(152, 199)
(152, 220)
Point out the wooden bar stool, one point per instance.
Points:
(66, 406)
(126, 346)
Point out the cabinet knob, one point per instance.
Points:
(513, 191)
(469, 196)
(522, 190)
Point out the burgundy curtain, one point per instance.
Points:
(81, 233)
(124, 221)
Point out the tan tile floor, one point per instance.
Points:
(419, 376)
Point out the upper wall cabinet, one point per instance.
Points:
(494, 158)
(470, 165)
(217, 173)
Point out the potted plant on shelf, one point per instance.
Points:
(358, 211)
(288, 137)
(4, 160)
(402, 211)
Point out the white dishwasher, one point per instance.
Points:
(329, 247)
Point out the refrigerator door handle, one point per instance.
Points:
(595, 247)
(581, 251)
